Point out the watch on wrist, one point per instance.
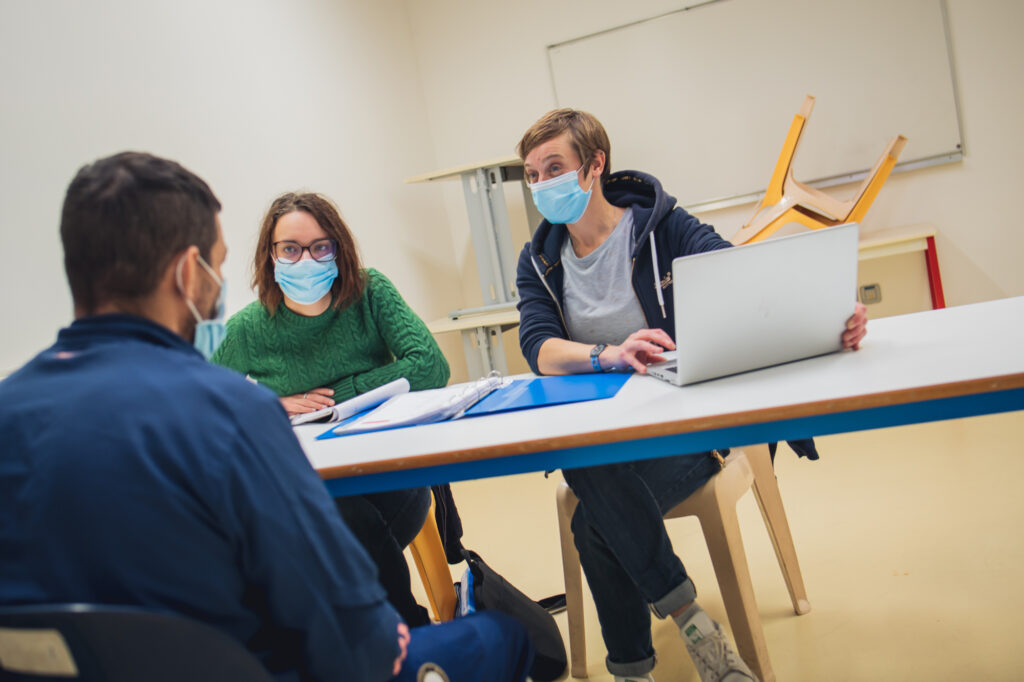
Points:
(594, 352)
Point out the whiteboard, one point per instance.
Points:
(702, 98)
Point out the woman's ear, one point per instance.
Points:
(597, 163)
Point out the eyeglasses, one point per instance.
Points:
(288, 252)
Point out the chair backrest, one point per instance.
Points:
(94, 643)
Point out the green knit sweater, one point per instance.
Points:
(371, 342)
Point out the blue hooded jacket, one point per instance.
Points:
(662, 232)
(134, 472)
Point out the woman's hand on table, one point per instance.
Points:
(314, 400)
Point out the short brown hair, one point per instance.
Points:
(124, 218)
(586, 135)
(349, 285)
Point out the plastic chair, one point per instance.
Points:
(715, 505)
(93, 643)
(786, 200)
(428, 554)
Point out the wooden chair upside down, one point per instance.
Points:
(789, 201)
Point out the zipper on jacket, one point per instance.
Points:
(558, 306)
(632, 271)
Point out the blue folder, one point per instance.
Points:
(522, 394)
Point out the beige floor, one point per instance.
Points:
(909, 540)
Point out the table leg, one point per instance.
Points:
(934, 278)
(485, 351)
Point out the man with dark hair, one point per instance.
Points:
(133, 472)
(125, 217)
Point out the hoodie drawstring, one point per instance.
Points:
(657, 275)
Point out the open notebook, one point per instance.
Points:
(419, 407)
(489, 395)
(354, 406)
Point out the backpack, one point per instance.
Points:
(484, 588)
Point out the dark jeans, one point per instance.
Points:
(385, 523)
(626, 554)
(486, 646)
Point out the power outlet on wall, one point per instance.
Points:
(870, 293)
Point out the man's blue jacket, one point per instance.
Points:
(133, 472)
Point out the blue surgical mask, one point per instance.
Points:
(306, 281)
(561, 199)
(209, 333)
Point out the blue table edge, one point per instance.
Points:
(939, 409)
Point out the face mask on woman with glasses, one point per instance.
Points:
(305, 281)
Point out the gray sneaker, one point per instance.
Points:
(712, 654)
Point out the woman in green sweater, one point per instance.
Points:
(323, 330)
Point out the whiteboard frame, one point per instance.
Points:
(952, 156)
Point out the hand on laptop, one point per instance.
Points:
(640, 348)
(856, 327)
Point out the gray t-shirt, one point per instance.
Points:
(600, 304)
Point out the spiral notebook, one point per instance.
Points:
(354, 406)
(418, 407)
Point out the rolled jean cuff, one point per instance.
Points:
(632, 669)
(677, 598)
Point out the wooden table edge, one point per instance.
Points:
(693, 425)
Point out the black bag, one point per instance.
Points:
(491, 591)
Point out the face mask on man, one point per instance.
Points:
(561, 199)
(209, 333)
(305, 281)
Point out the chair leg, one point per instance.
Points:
(722, 533)
(428, 553)
(566, 502)
(769, 499)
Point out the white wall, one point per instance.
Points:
(484, 70)
(485, 75)
(349, 97)
(257, 98)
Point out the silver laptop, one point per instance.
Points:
(761, 304)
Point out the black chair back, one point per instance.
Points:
(92, 643)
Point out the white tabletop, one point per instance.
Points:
(909, 359)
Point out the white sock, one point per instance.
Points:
(694, 623)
